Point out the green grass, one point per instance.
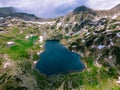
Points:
(20, 49)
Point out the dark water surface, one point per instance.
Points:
(57, 59)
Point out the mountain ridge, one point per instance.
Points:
(12, 12)
(99, 13)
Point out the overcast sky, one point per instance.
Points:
(55, 8)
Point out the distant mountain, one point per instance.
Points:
(6, 11)
(10, 11)
(82, 13)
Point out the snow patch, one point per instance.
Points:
(34, 62)
(93, 46)
(111, 43)
(115, 16)
(87, 34)
(38, 53)
(118, 81)
(28, 36)
(101, 46)
(40, 39)
(118, 34)
(74, 46)
(108, 31)
(83, 40)
(6, 64)
(59, 24)
(74, 23)
(10, 43)
(110, 57)
(95, 33)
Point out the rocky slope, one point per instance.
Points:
(90, 32)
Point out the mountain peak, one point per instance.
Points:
(83, 6)
(83, 9)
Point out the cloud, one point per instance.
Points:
(41, 8)
(102, 4)
(55, 8)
